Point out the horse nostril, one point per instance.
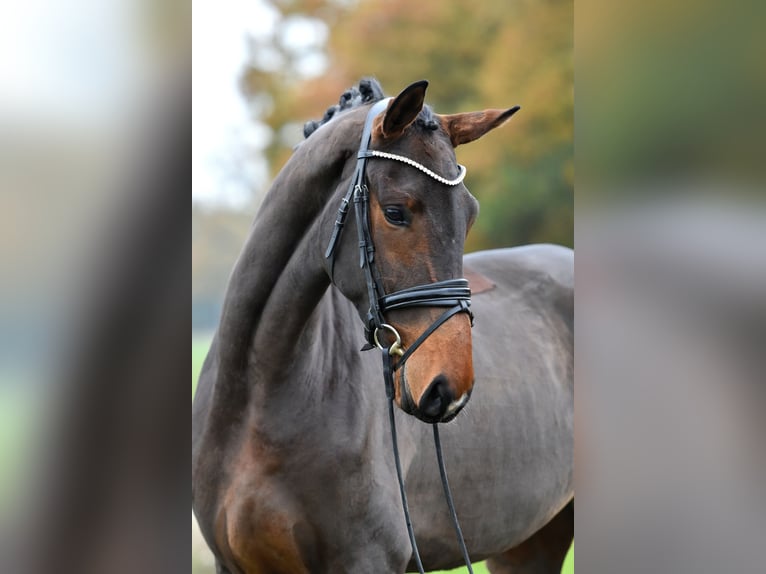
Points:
(437, 398)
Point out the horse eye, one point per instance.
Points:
(395, 215)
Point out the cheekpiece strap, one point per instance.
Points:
(358, 180)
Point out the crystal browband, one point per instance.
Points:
(416, 165)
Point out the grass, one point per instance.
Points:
(200, 344)
(481, 567)
(20, 411)
(199, 350)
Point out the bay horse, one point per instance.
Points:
(292, 465)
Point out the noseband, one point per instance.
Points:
(452, 294)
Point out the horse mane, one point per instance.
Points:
(367, 91)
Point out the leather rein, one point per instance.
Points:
(452, 294)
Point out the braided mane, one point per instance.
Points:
(367, 91)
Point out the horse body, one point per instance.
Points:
(510, 452)
(292, 464)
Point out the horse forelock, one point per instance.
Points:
(367, 91)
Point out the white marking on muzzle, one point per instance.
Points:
(455, 405)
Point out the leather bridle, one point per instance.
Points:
(452, 294)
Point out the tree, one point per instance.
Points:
(476, 56)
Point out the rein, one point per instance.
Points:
(452, 294)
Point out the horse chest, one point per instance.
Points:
(311, 505)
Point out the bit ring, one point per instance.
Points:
(396, 347)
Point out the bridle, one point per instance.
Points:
(452, 294)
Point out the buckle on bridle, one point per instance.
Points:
(396, 347)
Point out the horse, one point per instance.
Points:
(292, 465)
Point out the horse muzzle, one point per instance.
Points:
(437, 404)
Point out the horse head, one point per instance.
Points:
(411, 233)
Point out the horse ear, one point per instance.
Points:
(403, 110)
(469, 126)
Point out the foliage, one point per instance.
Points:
(217, 237)
(494, 54)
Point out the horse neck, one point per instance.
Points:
(279, 277)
